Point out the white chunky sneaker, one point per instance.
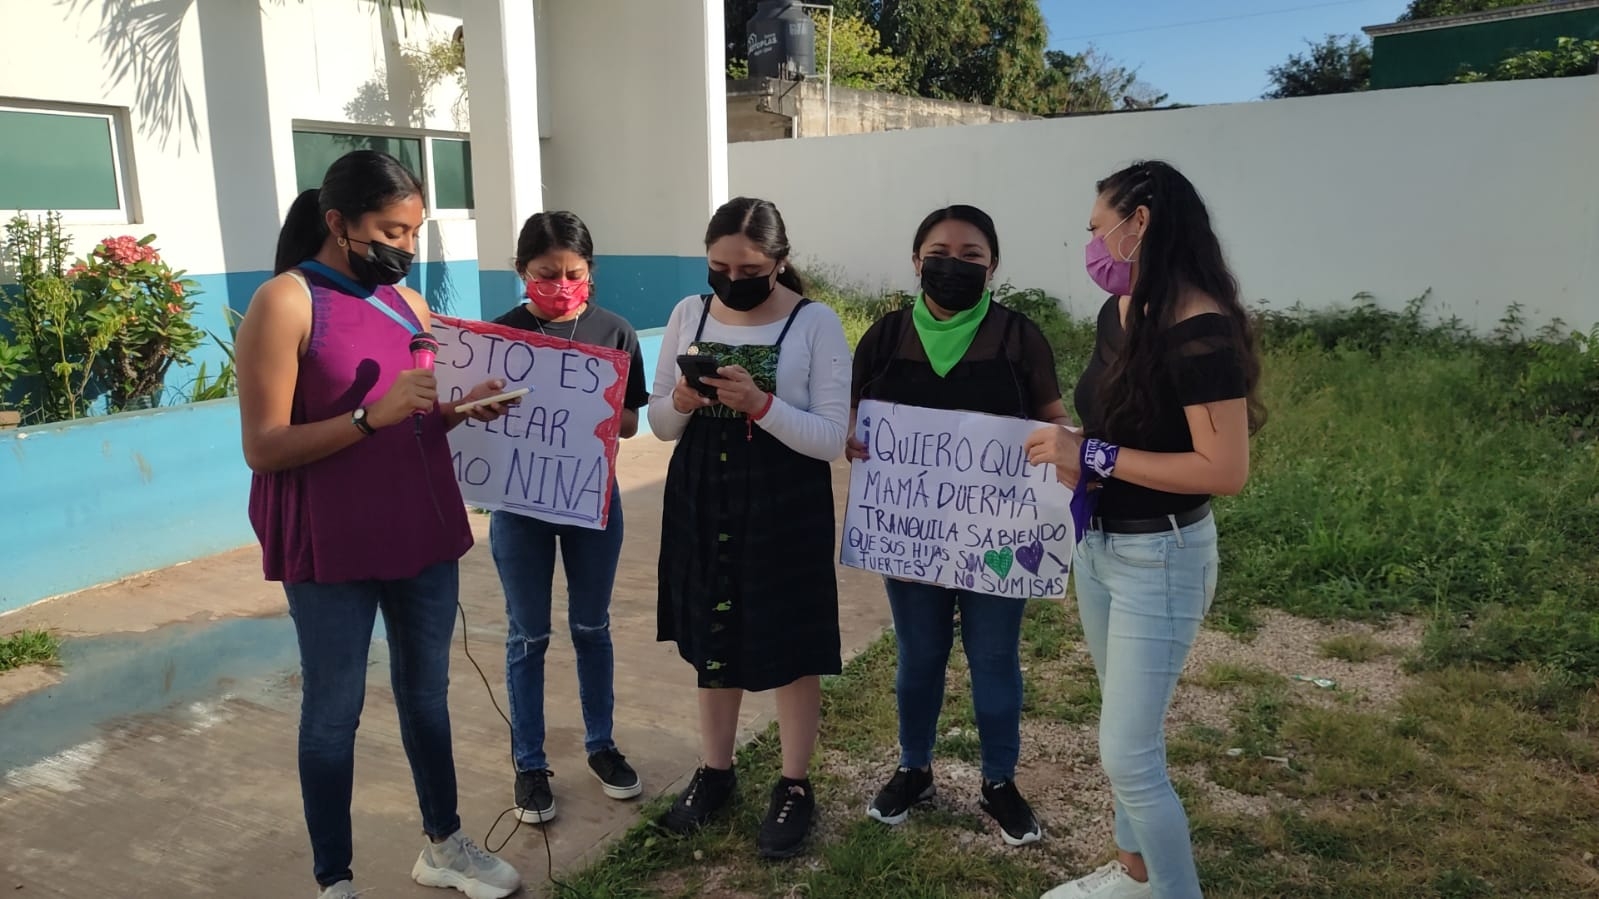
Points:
(341, 890)
(1110, 882)
(460, 864)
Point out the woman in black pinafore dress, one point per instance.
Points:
(748, 581)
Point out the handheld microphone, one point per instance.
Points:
(424, 347)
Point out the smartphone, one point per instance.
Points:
(696, 367)
(491, 400)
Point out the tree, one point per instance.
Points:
(1569, 57)
(859, 58)
(1338, 64)
(978, 51)
(1432, 9)
(1089, 82)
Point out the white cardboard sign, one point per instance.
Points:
(553, 456)
(949, 498)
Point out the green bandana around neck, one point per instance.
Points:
(947, 341)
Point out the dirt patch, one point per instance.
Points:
(1291, 647)
(1060, 773)
(19, 682)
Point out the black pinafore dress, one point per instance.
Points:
(748, 586)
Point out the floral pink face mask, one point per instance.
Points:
(558, 298)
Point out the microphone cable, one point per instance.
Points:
(466, 647)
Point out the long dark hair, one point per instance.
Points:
(357, 183)
(760, 221)
(544, 232)
(971, 215)
(1179, 250)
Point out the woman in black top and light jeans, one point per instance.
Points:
(1168, 406)
(957, 350)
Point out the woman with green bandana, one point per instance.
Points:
(956, 349)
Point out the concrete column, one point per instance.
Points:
(502, 74)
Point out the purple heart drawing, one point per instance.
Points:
(1031, 556)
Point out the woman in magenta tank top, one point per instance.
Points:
(355, 504)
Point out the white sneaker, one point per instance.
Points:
(1110, 882)
(460, 864)
(341, 890)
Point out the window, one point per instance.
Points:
(443, 163)
(315, 151)
(452, 173)
(69, 161)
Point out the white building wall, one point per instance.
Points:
(637, 144)
(211, 91)
(1484, 193)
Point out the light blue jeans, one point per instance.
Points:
(1142, 597)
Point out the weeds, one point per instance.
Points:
(1410, 468)
(28, 648)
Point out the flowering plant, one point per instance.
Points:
(128, 278)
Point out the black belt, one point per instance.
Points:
(1150, 525)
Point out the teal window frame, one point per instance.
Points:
(120, 214)
(427, 166)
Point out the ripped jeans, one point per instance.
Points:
(524, 552)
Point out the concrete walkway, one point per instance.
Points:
(159, 760)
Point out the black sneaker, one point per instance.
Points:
(705, 795)
(788, 819)
(908, 787)
(615, 775)
(535, 804)
(1005, 804)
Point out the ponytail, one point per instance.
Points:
(303, 233)
(789, 277)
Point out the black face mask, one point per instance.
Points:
(382, 263)
(742, 295)
(954, 284)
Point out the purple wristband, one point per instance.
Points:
(1099, 458)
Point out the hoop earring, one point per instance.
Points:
(343, 243)
(1121, 241)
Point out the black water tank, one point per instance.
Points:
(782, 41)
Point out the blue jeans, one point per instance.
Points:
(991, 629)
(334, 626)
(524, 552)
(1142, 598)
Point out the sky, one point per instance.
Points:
(1211, 51)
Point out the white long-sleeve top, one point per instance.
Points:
(810, 413)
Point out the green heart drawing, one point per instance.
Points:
(999, 561)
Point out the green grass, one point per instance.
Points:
(28, 648)
(1408, 468)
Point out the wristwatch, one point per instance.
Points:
(359, 420)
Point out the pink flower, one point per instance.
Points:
(77, 269)
(125, 250)
(174, 309)
(177, 288)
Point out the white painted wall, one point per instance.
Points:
(212, 100)
(340, 62)
(637, 99)
(1486, 193)
(56, 55)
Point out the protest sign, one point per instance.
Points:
(949, 498)
(553, 456)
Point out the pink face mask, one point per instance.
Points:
(558, 299)
(1114, 276)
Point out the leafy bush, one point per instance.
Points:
(112, 323)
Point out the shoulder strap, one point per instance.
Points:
(365, 293)
(705, 313)
(791, 316)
